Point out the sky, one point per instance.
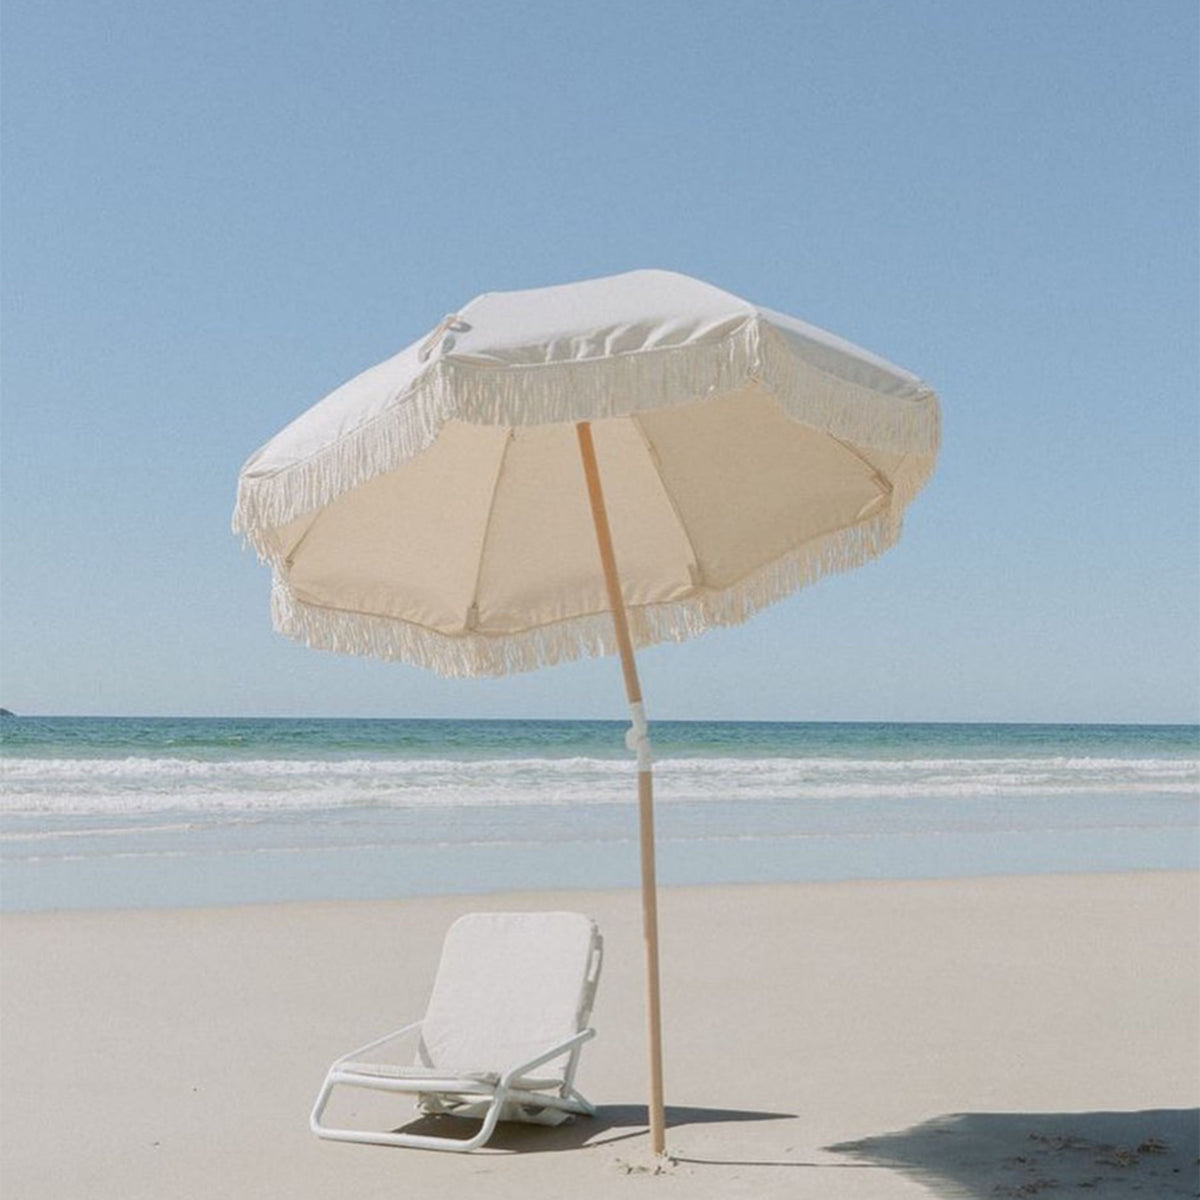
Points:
(212, 214)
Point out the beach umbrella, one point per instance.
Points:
(584, 469)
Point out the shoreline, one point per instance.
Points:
(486, 897)
(392, 874)
(862, 1039)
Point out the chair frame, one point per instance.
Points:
(503, 1099)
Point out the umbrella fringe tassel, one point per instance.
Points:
(472, 654)
(589, 390)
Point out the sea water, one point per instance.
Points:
(117, 812)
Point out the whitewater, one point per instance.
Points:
(165, 811)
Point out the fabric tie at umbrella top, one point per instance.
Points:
(445, 507)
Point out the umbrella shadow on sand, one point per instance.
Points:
(612, 1123)
(970, 1156)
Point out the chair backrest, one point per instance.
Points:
(509, 985)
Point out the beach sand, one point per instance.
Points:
(973, 1038)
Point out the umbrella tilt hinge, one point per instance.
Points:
(637, 736)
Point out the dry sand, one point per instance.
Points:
(973, 1038)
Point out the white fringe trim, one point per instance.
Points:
(584, 636)
(537, 394)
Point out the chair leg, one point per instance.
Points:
(585, 1106)
(318, 1109)
(416, 1140)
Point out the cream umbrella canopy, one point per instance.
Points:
(581, 470)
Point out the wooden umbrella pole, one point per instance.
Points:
(645, 781)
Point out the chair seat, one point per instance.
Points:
(471, 1081)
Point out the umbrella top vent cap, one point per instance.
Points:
(594, 318)
(634, 312)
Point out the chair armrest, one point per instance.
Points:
(562, 1047)
(387, 1037)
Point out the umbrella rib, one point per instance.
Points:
(697, 579)
(289, 555)
(885, 485)
(473, 607)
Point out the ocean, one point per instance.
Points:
(164, 812)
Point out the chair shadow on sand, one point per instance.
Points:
(971, 1156)
(612, 1123)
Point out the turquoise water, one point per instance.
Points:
(212, 738)
(172, 811)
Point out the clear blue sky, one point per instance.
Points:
(214, 213)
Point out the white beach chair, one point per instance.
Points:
(512, 996)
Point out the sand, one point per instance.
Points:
(972, 1038)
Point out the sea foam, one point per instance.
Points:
(146, 785)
